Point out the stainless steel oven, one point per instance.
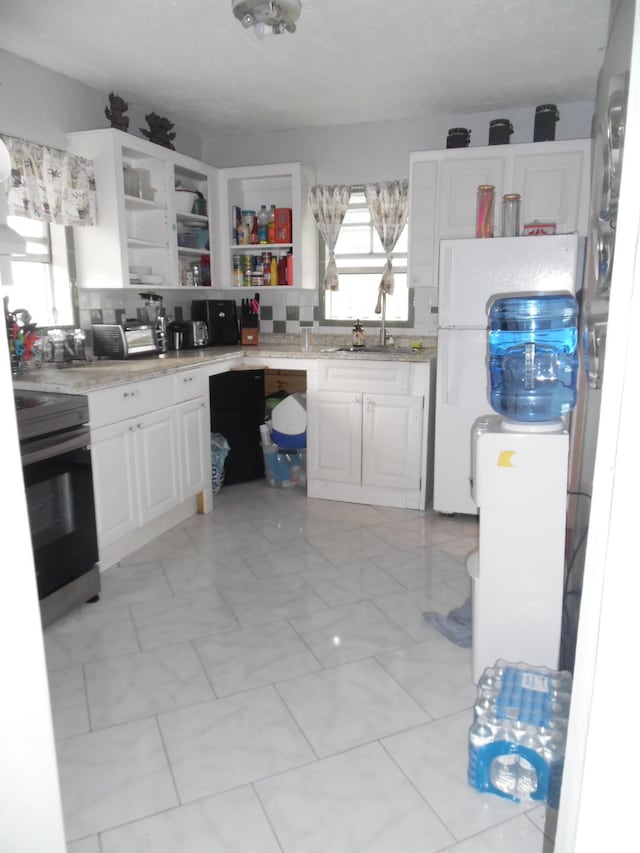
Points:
(56, 464)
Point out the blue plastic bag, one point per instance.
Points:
(219, 453)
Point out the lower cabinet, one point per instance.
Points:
(149, 450)
(135, 472)
(366, 439)
(194, 447)
(370, 447)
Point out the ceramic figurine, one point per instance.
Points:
(159, 130)
(115, 112)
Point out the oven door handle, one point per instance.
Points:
(52, 446)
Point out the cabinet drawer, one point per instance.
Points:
(188, 385)
(381, 377)
(128, 401)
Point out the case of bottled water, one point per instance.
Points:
(517, 740)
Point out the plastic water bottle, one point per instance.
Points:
(263, 224)
(271, 224)
(533, 360)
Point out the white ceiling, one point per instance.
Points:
(350, 61)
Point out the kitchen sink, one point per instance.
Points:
(378, 348)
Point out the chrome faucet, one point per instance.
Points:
(383, 315)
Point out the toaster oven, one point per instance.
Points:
(115, 341)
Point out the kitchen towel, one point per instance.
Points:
(456, 626)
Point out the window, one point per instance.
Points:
(360, 259)
(40, 279)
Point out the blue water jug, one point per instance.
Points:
(533, 359)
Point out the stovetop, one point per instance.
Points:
(42, 412)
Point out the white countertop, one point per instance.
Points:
(81, 378)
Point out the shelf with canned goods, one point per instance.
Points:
(248, 198)
(266, 268)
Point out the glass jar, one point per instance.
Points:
(131, 181)
(245, 227)
(196, 273)
(458, 137)
(500, 129)
(484, 210)
(511, 215)
(544, 128)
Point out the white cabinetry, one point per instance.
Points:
(551, 177)
(148, 450)
(369, 433)
(140, 229)
(283, 185)
(192, 415)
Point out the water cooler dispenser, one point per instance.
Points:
(520, 468)
(519, 483)
(520, 487)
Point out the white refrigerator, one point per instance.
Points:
(471, 272)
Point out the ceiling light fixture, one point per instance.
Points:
(267, 16)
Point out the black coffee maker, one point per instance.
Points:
(221, 317)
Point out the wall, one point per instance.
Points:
(377, 152)
(585, 420)
(41, 105)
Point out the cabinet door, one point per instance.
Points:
(458, 183)
(334, 436)
(113, 459)
(553, 189)
(193, 445)
(422, 223)
(392, 441)
(156, 463)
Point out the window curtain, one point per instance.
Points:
(329, 205)
(50, 185)
(388, 206)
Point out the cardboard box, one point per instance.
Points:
(282, 220)
(535, 228)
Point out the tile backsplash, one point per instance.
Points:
(282, 310)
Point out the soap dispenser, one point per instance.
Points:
(357, 339)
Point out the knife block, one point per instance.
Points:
(249, 336)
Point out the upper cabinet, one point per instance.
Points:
(285, 186)
(551, 177)
(148, 235)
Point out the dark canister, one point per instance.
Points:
(458, 137)
(544, 128)
(500, 129)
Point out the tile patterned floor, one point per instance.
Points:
(262, 680)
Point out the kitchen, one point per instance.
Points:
(45, 95)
